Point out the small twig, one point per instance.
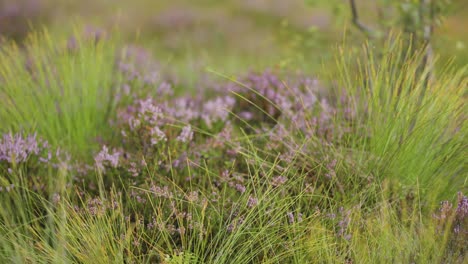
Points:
(365, 29)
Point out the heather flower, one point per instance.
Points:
(225, 176)
(240, 188)
(140, 199)
(444, 211)
(299, 217)
(294, 218)
(18, 149)
(186, 135)
(149, 112)
(246, 115)
(165, 88)
(235, 224)
(184, 109)
(462, 207)
(278, 181)
(95, 206)
(133, 124)
(252, 202)
(461, 215)
(133, 169)
(180, 163)
(287, 157)
(225, 136)
(455, 218)
(217, 109)
(46, 159)
(104, 157)
(161, 192)
(344, 223)
(157, 135)
(279, 133)
(290, 217)
(331, 169)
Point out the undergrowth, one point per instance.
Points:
(105, 159)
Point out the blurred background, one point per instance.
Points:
(227, 35)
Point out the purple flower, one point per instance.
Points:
(161, 192)
(184, 109)
(278, 181)
(462, 207)
(165, 88)
(104, 157)
(149, 112)
(252, 202)
(331, 169)
(294, 219)
(290, 217)
(186, 135)
(157, 135)
(344, 223)
(240, 188)
(217, 109)
(133, 169)
(16, 148)
(246, 115)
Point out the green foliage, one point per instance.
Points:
(64, 91)
(401, 152)
(415, 128)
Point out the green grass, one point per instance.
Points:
(66, 95)
(416, 127)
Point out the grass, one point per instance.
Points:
(417, 126)
(369, 162)
(64, 93)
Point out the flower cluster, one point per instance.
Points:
(104, 157)
(454, 220)
(457, 217)
(18, 148)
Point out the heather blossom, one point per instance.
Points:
(186, 135)
(252, 202)
(157, 135)
(240, 188)
(462, 206)
(16, 148)
(104, 157)
(149, 112)
(455, 221)
(165, 88)
(278, 181)
(217, 109)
